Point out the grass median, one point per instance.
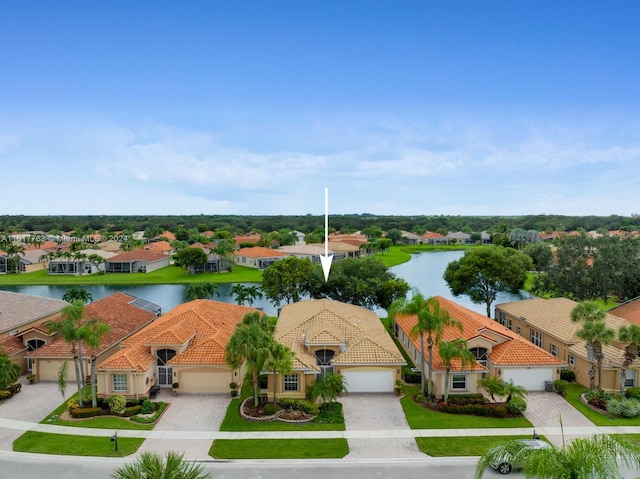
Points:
(71, 445)
(279, 448)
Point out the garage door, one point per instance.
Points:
(204, 382)
(531, 379)
(369, 381)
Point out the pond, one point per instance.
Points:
(424, 271)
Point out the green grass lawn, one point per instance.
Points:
(102, 422)
(279, 448)
(573, 396)
(462, 445)
(419, 417)
(632, 438)
(70, 445)
(168, 275)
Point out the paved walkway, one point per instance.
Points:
(375, 424)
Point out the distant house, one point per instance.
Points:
(499, 352)
(136, 261)
(77, 265)
(411, 238)
(433, 238)
(312, 252)
(547, 324)
(163, 247)
(459, 238)
(257, 257)
(28, 261)
(328, 336)
(125, 313)
(184, 346)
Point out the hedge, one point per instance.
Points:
(82, 412)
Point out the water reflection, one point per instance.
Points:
(423, 272)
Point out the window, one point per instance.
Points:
(503, 318)
(553, 349)
(290, 382)
(630, 380)
(510, 325)
(572, 360)
(458, 382)
(518, 330)
(323, 359)
(119, 382)
(536, 337)
(481, 355)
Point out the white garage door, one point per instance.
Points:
(531, 379)
(369, 381)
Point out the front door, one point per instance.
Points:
(165, 375)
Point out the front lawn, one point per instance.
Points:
(167, 275)
(574, 390)
(70, 445)
(234, 422)
(462, 445)
(420, 417)
(279, 448)
(99, 422)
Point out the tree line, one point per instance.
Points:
(346, 223)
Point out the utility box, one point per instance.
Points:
(548, 386)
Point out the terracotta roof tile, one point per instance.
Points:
(207, 326)
(137, 255)
(629, 311)
(260, 252)
(511, 348)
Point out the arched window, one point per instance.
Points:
(323, 358)
(33, 344)
(481, 355)
(164, 356)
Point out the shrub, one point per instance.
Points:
(117, 404)
(632, 393)
(5, 394)
(147, 407)
(568, 375)
(330, 413)
(410, 377)
(131, 410)
(82, 412)
(161, 406)
(467, 399)
(270, 409)
(300, 405)
(560, 386)
(234, 393)
(598, 399)
(630, 407)
(517, 405)
(233, 385)
(72, 404)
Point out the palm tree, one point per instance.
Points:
(246, 294)
(327, 387)
(93, 332)
(9, 371)
(150, 465)
(596, 457)
(629, 334)
(512, 390)
(279, 360)
(81, 294)
(96, 260)
(13, 251)
(69, 327)
(249, 344)
(493, 385)
(201, 291)
(450, 351)
(595, 332)
(431, 321)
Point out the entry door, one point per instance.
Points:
(165, 375)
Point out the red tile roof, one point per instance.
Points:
(137, 255)
(115, 310)
(205, 324)
(629, 311)
(259, 252)
(512, 349)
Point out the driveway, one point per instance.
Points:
(32, 404)
(377, 412)
(187, 413)
(545, 410)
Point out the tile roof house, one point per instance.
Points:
(257, 257)
(499, 352)
(629, 311)
(162, 246)
(328, 336)
(185, 345)
(431, 237)
(19, 312)
(125, 313)
(547, 323)
(138, 260)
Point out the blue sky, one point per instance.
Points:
(254, 107)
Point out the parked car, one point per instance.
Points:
(507, 463)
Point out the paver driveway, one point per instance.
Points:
(377, 412)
